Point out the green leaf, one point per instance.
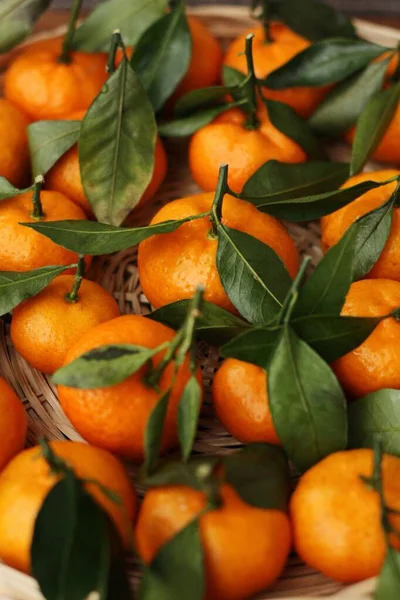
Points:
(89, 237)
(259, 473)
(215, 325)
(48, 141)
(162, 55)
(284, 118)
(200, 99)
(388, 586)
(154, 431)
(116, 146)
(70, 551)
(177, 472)
(307, 404)
(188, 125)
(104, 366)
(16, 286)
(376, 416)
(275, 181)
(326, 289)
(254, 346)
(17, 18)
(252, 275)
(324, 62)
(343, 105)
(7, 190)
(188, 415)
(372, 125)
(131, 18)
(177, 571)
(232, 77)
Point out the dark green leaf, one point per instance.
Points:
(7, 190)
(177, 472)
(201, 99)
(154, 431)
(344, 104)
(307, 404)
(327, 61)
(215, 325)
(70, 550)
(388, 586)
(188, 125)
(253, 276)
(131, 18)
(17, 18)
(275, 181)
(376, 416)
(104, 366)
(116, 146)
(372, 125)
(188, 415)
(259, 473)
(162, 55)
(89, 237)
(177, 571)
(16, 286)
(254, 346)
(284, 118)
(48, 141)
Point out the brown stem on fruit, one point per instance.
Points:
(37, 212)
(72, 296)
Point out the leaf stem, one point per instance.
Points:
(57, 465)
(37, 212)
(116, 43)
(65, 56)
(252, 85)
(222, 189)
(291, 298)
(72, 296)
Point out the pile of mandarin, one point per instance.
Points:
(309, 377)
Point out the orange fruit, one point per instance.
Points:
(373, 365)
(172, 265)
(240, 398)
(269, 56)
(45, 88)
(13, 424)
(44, 327)
(27, 480)
(335, 225)
(22, 248)
(234, 568)
(115, 418)
(336, 517)
(227, 140)
(14, 153)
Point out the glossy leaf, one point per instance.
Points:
(372, 125)
(89, 237)
(201, 99)
(162, 55)
(131, 18)
(177, 571)
(116, 146)
(188, 415)
(254, 346)
(188, 125)
(154, 431)
(376, 416)
(253, 276)
(48, 141)
(307, 404)
(7, 190)
(259, 473)
(324, 62)
(215, 325)
(17, 286)
(343, 105)
(104, 366)
(70, 550)
(17, 18)
(388, 586)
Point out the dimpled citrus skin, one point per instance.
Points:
(47, 89)
(375, 364)
(227, 140)
(335, 225)
(172, 265)
(26, 481)
(336, 516)
(14, 153)
(268, 57)
(115, 418)
(234, 568)
(240, 398)
(13, 424)
(44, 327)
(22, 248)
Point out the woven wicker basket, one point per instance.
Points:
(118, 273)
